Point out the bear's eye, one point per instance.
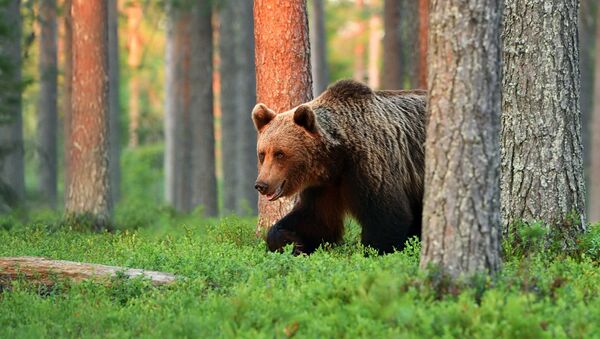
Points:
(261, 157)
(279, 155)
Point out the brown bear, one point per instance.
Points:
(351, 150)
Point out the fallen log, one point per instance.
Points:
(45, 271)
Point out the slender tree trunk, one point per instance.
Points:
(67, 95)
(89, 193)
(392, 49)
(542, 172)
(113, 102)
(247, 170)
(360, 71)
(203, 175)
(134, 58)
(283, 73)
(374, 48)
(47, 104)
(12, 165)
(318, 46)
(423, 37)
(171, 110)
(230, 110)
(595, 132)
(587, 35)
(461, 216)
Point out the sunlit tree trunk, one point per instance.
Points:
(318, 46)
(202, 134)
(89, 193)
(374, 49)
(595, 132)
(423, 37)
(12, 165)
(283, 73)
(113, 102)
(461, 216)
(542, 172)
(67, 94)
(47, 104)
(134, 58)
(360, 71)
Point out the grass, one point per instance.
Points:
(235, 288)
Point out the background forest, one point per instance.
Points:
(173, 165)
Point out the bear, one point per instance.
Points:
(351, 151)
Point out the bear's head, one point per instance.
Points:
(288, 149)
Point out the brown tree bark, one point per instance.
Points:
(67, 94)
(283, 73)
(400, 50)
(374, 48)
(542, 172)
(202, 134)
(46, 272)
(134, 59)
(12, 164)
(89, 194)
(423, 43)
(47, 104)
(594, 202)
(114, 158)
(461, 215)
(360, 70)
(318, 46)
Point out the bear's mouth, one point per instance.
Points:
(278, 192)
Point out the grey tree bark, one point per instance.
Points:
(238, 96)
(47, 104)
(461, 216)
(542, 170)
(594, 201)
(89, 193)
(318, 46)
(12, 164)
(171, 166)
(202, 141)
(114, 150)
(400, 44)
(587, 43)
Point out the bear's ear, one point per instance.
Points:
(262, 115)
(305, 117)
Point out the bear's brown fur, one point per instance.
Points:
(351, 150)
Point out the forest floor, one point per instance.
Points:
(233, 287)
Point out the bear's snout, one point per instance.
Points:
(261, 187)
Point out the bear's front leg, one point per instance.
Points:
(278, 237)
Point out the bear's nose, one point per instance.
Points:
(261, 186)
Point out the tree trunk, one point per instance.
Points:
(47, 105)
(67, 95)
(318, 46)
(360, 71)
(89, 194)
(114, 157)
(595, 132)
(134, 59)
(12, 164)
(374, 48)
(47, 272)
(423, 37)
(246, 142)
(542, 172)
(461, 216)
(171, 166)
(202, 134)
(587, 34)
(400, 44)
(283, 73)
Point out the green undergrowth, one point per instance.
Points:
(231, 286)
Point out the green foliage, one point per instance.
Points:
(233, 287)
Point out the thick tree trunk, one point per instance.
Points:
(12, 164)
(202, 134)
(283, 73)
(423, 43)
(47, 272)
(47, 104)
(595, 132)
(67, 95)
(318, 46)
(542, 172)
(89, 193)
(461, 216)
(134, 58)
(114, 158)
